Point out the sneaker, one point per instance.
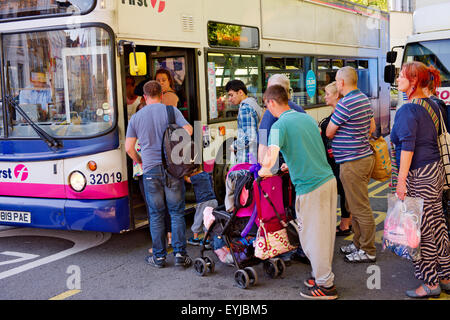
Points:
(349, 249)
(182, 260)
(194, 241)
(359, 256)
(156, 262)
(207, 244)
(310, 282)
(317, 292)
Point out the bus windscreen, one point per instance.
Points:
(19, 9)
(434, 53)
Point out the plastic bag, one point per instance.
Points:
(402, 226)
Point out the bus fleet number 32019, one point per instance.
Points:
(15, 216)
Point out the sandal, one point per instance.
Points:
(359, 256)
(350, 248)
(340, 232)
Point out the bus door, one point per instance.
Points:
(182, 65)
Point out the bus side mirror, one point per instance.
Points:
(138, 64)
(389, 73)
(391, 56)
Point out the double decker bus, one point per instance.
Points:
(430, 44)
(64, 65)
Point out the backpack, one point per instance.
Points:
(187, 158)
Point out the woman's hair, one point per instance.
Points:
(169, 76)
(421, 76)
(333, 88)
(435, 79)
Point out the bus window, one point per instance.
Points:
(14, 10)
(434, 53)
(177, 67)
(62, 79)
(363, 77)
(295, 69)
(325, 75)
(223, 67)
(366, 70)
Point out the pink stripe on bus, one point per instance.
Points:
(100, 191)
(41, 190)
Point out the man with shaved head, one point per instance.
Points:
(350, 127)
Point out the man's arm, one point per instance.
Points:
(262, 150)
(373, 126)
(331, 130)
(130, 144)
(405, 164)
(248, 126)
(189, 129)
(269, 161)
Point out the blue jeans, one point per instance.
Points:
(161, 189)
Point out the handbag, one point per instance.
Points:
(444, 149)
(382, 168)
(289, 224)
(271, 244)
(443, 139)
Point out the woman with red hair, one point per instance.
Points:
(421, 174)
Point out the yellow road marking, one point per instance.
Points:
(443, 296)
(373, 193)
(65, 295)
(373, 184)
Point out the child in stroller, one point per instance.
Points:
(235, 232)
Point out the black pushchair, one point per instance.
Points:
(237, 232)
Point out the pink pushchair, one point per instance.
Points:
(236, 231)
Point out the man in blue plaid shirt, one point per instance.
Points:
(249, 115)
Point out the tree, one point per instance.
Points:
(381, 4)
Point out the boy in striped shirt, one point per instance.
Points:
(350, 127)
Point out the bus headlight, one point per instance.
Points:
(77, 181)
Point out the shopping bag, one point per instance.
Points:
(443, 138)
(402, 226)
(382, 168)
(271, 244)
(444, 149)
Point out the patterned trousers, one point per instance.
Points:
(427, 183)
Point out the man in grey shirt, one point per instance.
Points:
(162, 191)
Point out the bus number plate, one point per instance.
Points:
(15, 216)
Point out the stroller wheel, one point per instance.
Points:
(200, 266)
(281, 266)
(270, 268)
(210, 264)
(242, 279)
(253, 276)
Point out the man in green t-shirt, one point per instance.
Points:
(297, 136)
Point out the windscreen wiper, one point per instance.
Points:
(48, 139)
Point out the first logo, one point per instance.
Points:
(21, 172)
